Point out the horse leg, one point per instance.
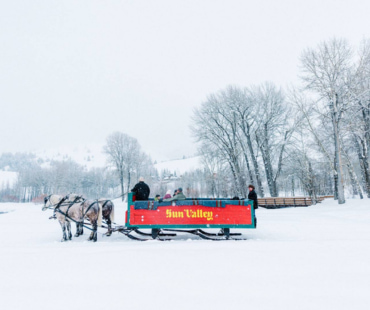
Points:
(68, 224)
(95, 227)
(77, 234)
(109, 223)
(91, 237)
(63, 225)
(79, 229)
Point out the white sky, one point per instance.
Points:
(72, 72)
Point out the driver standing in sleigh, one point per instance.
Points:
(141, 190)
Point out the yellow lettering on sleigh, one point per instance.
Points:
(208, 215)
(192, 214)
(174, 214)
(168, 213)
(187, 213)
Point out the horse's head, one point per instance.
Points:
(51, 201)
(47, 203)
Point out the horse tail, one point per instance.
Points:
(112, 212)
(100, 215)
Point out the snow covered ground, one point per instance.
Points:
(298, 258)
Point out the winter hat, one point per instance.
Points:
(180, 189)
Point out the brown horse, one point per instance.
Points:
(67, 211)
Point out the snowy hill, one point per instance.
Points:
(88, 156)
(180, 166)
(93, 156)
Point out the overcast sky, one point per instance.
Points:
(72, 72)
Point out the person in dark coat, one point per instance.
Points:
(141, 190)
(253, 196)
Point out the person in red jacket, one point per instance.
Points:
(168, 194)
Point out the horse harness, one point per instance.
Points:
(70, 204)
(57, 209)
(104, 204)
(89, 207)
(59, 204)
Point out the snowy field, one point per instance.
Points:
(298, 258)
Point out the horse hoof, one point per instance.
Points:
(76, 235)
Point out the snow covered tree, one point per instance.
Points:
(275, 126)
(216, 124)
(122, 151)
(125, 155)
(241, 103)
(325, 72)
(359, 112)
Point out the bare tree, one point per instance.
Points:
(359, 121)
(123, 152)
(241, 102)
(216, 124)
(274, 129)
(215, 171)
(325, 72)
